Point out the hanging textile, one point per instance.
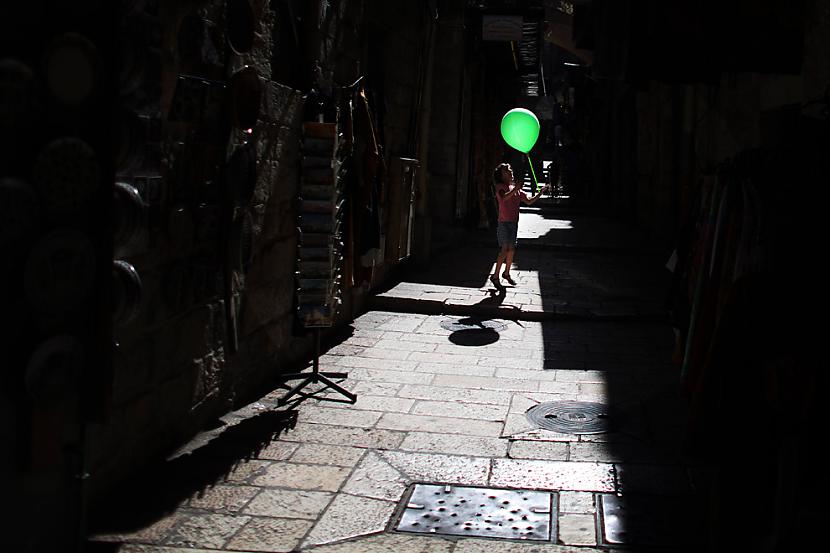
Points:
(364, 172)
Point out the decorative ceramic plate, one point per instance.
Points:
(60, 271)
(71, 65)
(66, 174)
(54, 368)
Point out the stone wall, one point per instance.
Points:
(449, 76)
(171, 361)
(186, 358)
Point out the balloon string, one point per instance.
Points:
(532, 172)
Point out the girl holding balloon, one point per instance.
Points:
(520, 129)
(509, 195)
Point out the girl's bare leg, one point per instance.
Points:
(499, 260)
(508, 260)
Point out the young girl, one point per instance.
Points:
(509, 195)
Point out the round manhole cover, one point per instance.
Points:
(472, 323)
(572, 417)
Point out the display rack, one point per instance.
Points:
(320, 249)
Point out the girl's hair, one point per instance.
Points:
(497, 175)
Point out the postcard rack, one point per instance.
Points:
(319, 247)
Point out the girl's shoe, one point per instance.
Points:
(506, 277)
(495, 280)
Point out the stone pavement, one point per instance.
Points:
(567, 265)
(435, 406)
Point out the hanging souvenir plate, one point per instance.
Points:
(128, 212)
(240, 174)
(71, 66)
(66, 174)
(130, 142)
(137, 63)
(188, 99)
(240, 252)
(191, 40)
(245, 97)
(180, 229)
(206, 220)
(240, 25)
(59, 272)
(178, 294)
(54, 368)
(126, 287)
(17, 211)
(16, 83)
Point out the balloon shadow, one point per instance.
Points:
(474, 337)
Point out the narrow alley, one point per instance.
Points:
(254, 305)
(442, 399)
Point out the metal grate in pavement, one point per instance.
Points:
(571, 417)
(482, 512)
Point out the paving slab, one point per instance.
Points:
(577, 503)
(445, 469)
(487, 546)
(577, 529)
(279, 503)
(302, 476)
(387, 543)
(378, 478)
(550, 451)
(350, 516)
(464, 395)
(426, 423)
(552, 475)
(270, 535)
(337, 435)
(224, 498)
(476, 446)
(205, 529)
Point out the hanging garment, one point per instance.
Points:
(697, 271)
(370, 169)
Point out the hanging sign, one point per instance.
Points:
(501, 27)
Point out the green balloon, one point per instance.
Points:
(520, 129)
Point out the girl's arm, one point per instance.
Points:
(536, 196)
(516, 190)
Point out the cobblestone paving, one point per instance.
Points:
(441, 413)
(433, 410)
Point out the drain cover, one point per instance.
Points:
(472, 323)
(571, 417)
(483, 512)
(651, 520)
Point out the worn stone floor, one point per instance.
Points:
(436, 406)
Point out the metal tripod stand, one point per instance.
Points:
(315, 376)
